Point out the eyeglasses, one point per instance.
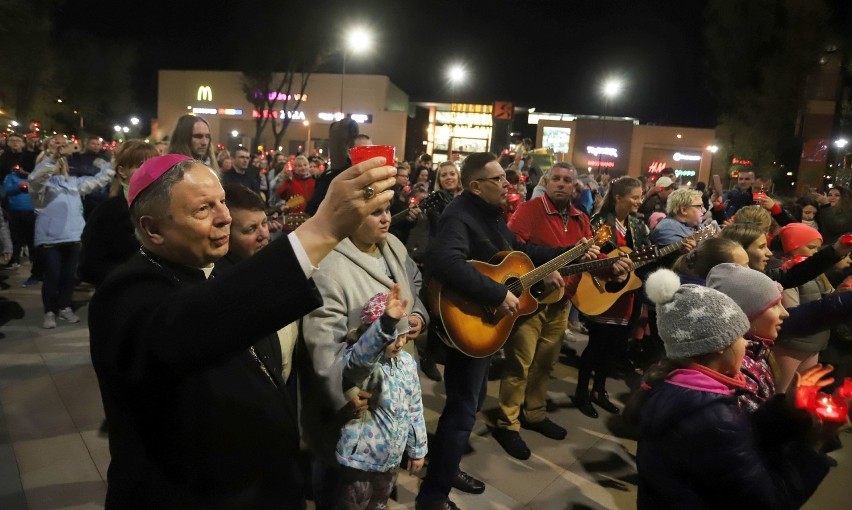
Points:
(700, 206)
(495, 179)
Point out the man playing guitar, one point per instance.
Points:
(471, 228)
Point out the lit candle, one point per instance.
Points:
(845, 391)
(806, 397)
(829, 408)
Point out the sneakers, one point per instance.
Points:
(49, 321)
(29, 282)
(68, 315)
(511, 441)
(546, 428)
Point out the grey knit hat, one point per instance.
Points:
(752, 290)
(693, 320)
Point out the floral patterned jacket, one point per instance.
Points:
(758, 374)
(375, 441)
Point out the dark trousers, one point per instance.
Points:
(465, 380)
(607, 342)
(327, 483)
(22, 228)
(60, 265)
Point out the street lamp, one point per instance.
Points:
(610, 90)
(235, 133)
(134, 121)
(357, 40)
(307, 124)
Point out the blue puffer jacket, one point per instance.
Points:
(18, 199)
(698, 449)
(58, 202)
(375, 442)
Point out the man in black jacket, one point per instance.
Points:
(471, 228)
(196, 418)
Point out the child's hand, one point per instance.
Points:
(395, 308)
(414, 465)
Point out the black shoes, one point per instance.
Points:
(430, 369)
(511, 441)
(466, 483)
(546, 428)
(584, 404)
(601, 399)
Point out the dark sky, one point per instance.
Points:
(548, 54)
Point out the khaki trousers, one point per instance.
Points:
(531, 353)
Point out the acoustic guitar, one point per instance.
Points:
(430, 201)
(595, 296)
(604, 234)
(477, 330)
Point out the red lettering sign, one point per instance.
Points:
(657, 167)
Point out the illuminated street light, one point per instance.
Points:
(134, 121)
(456, 74)
(713, 148)
(612, 88)
(15, 123)
(235, 133)
(357, 41)
(841, 143)
(117, 128)
(125, 129)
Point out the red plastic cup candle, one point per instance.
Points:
(799, 259)
(830, 408)
(845, 391)
(846, 239)
(758, 196)
(365, 152)
(806, 397)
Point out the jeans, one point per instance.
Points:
(59, 262)
(465, 380)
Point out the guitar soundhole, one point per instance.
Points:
(614, 286)
(514, 283)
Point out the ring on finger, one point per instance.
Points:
(369, 192)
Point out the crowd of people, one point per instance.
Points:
(251, 311)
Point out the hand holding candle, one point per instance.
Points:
(829, 408)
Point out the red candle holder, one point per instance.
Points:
(830, 408)
(757, 196)
(846, 239)
(845, 391)
(365, 152)
(806, 397)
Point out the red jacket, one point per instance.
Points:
(538, 222)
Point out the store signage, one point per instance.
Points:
(205, 93)
(281, 96)
(278, 114)
(737, 161)
(602, 151)
(678, 156)
(684, 172)
(232, 112)
(503, 110)
(601, 164)
(360, 118)
(535, 118)
(657, 167)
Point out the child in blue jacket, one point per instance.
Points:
(371, 446)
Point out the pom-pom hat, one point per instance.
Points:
(375, 307)
(151, 170)
(693, 320)
(752, 290)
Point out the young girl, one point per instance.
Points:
(802, 352)
(697, 447)
(371, 446)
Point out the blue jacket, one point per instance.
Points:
(375, 441)
(17, 198)
(699, 450)
(59, 212)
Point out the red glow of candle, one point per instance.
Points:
(845, 391)
(830, 408)
(846, 239)
(806, 397)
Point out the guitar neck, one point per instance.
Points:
(587, 266)
(671, 248)
(538, 274)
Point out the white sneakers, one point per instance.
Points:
(68, 315)
(49, 320)
(65, 314)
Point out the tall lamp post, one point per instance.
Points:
(357, 41)
(456, 75)
(713, 150)
(307, 124)
(610, 89)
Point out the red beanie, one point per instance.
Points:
(795, 235)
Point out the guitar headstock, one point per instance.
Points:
(603, 234)
(644, 255)
(432, 200)
(295, 219)
(710, 230)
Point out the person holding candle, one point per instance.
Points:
(697, 447)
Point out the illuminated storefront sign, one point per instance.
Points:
(278, 114)
(534, 118)
(205, 93)
(360, 118)
(686, 157)
(658, 166)
(684, 172)
(737, 161)
(232, 112)
(602, 151)
(282, 96)
(601, 164)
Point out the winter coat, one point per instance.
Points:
(394, 422)
(698, 450)
(17, 198)
(59, 218)
(347, 279)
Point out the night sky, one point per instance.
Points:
(547, 54)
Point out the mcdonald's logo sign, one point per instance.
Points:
(205, 93)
